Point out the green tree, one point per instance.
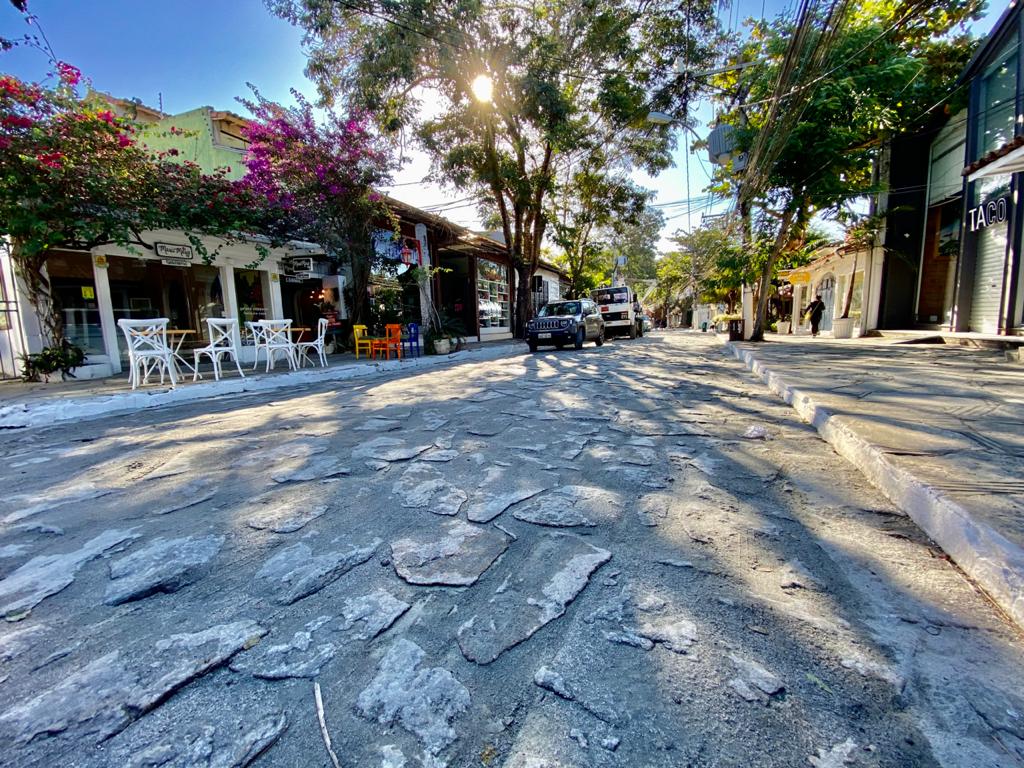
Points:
(590, 211)
(815, 113)
(73, 175)
(572, 81)
(322, 173)
(636, 238)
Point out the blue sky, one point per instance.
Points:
(188, 53)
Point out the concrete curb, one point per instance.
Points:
(44, 412)
(992, 560)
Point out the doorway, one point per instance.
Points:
(827, 290)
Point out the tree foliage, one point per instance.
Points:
(321, 175)
(573, 82)
(889, 65)
(594, 214)
(73, 175)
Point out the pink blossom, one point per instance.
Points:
(70, 75)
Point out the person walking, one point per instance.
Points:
(815, 310)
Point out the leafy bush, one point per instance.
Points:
(64, 357)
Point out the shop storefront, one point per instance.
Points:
(989, 272)
(474, 288)
(829, 276)
(493, 297)
(96, 289)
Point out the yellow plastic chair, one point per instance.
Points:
(363, 341)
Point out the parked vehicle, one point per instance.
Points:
(566, 322)
(620, 309)
(648, 323)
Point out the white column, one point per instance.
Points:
(108, 324)
(426, 289)
(227, 286)
(798, 304)
(14, 338)
(870, 302)
(272, 295)
(747, 308)
(31, 326)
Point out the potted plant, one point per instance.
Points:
(444, 335)
(54, 363)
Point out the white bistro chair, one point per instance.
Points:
(275, 336)
(259, 339)
(222, 342)
(148, 349)
(306, 348)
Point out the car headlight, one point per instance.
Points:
(564, 323)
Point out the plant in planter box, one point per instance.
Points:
(443, 332)
(62, 358)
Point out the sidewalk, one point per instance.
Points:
(938, 428)
(25, 405)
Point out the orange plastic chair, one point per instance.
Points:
(363, 341)
(392, 340)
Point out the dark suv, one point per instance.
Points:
(566, 322)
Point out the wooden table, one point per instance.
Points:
(300, 330)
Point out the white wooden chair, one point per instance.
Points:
(305, 348)
(148, 349)
(222, 342)
(276, 337)
(259, 341)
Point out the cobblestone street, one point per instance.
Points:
(632, 555)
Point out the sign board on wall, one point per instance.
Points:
(989, 212)
(800, 278)
(174, 255)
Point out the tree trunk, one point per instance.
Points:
(765, 280)
(360, 289)
(849, 291)
(31, 268)
(524, 273)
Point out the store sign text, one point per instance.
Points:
(988, 213)
(174, 255)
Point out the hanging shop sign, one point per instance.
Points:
(174, 255)
(988, 213)
(800, 278)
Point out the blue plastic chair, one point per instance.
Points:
(413, 340)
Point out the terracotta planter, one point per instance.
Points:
(842, 328)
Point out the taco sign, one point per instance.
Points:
(988, 213)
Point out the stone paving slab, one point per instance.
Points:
(938, 428)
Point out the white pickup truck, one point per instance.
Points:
(620, 309)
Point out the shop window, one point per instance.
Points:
(996, 123)
(144, 288)
(206, 296)
(74, 291)
(492, 294)
(249, 292)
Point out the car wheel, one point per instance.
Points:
(632, 331)
(600, 338)
(533, 346)
(581, 336)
